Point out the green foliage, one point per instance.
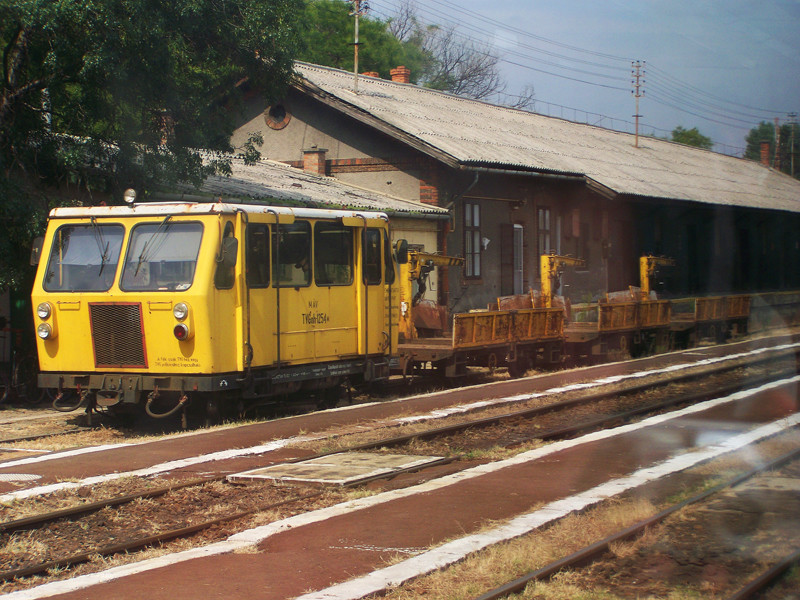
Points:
(789, 145)
(97, 87)
(102, 95)
(21, 220)
(691, 137)
(328, 35)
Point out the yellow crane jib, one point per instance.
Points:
(418, 268)
(420, 265)
(552, 267)
(648, 267)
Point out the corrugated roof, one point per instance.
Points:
(268, 180)
(470, 132)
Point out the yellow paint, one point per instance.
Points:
(552, 267)
(231, 328)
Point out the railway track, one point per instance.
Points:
(603, 548)
(292, 495)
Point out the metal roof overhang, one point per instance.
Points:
(303, 85)
(335, 102)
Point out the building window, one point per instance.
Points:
(277, 116)
(543, 224)
(472, 239)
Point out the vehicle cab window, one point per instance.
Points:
(84, 258)
(162, 256)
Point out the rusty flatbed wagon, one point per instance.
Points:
(515, 338)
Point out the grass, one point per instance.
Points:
(507, 561)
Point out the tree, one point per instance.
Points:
(458, 66)
(438, 57)
(329, 32)
(788, 149)
(100, 95)
(453, 62)
(691, 137)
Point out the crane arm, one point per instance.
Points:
(648, 265)
(552, 267)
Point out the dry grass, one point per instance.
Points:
(36, 505)
(502, 563)
(513, 559)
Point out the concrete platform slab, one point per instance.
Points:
(339, 469)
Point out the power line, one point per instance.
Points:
(663, 88)
(677, 82)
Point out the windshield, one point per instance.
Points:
(162, 256)
(84, 258)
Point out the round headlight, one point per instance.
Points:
(44, 331)
(180, 311)
(44, 310)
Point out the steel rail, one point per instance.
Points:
(37, 520)
(558, 406)
(139, 543)
(42, 436)
(767, 578)
(30, 522)
(183, 532)
(591, 552)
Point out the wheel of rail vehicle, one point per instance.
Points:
(330, 397)
(519, 367)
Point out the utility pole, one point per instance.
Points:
(360, 7)
(777, 144)
(637, 71)
(792, 126)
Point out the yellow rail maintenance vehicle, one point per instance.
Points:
(158, 304)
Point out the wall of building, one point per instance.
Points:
(356, 154)
(717, 249)
(551, 215)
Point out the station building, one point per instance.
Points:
(514, 184)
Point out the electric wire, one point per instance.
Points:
(662, 88)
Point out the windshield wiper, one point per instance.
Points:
(101, 244)
(148, 245)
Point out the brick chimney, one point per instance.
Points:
(314, 160)
(765, 153)
(374, 74)
(401, 74)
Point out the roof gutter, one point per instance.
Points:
(498, 171)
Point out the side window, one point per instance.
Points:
(258, 255)
(388, 263)
(372, 257)
(291, 254)
(472, 239)
(224, 276)
(333, 254)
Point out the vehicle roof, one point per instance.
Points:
(202, 208)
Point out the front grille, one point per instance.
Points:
(117, 335)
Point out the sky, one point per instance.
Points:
(719, 65)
